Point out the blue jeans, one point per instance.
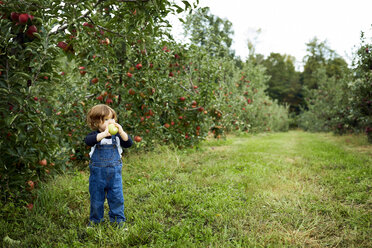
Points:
(105, 181)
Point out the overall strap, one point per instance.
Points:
(113, 138)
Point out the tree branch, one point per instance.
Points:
(132, 1)
(63, 27)
(103, 28)
(183, 87)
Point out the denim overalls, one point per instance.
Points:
(105, 181)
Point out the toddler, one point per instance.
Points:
(106, 164)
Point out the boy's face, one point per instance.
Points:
(106, 121)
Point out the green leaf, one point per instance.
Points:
(179, 9)
(37, 35)
(22, 74)
(11, 119)
(37, 121)
(4, 90)
(187, 4)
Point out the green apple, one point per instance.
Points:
(112, 129)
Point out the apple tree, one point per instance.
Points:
(58, 58)
(361, 99)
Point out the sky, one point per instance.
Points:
(287, 25)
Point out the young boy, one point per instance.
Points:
(105, 164)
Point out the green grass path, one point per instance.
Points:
(293, 189)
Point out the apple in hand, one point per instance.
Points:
(112, 129)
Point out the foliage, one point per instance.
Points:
(210, 32)
(51, 53)
(63, 57)
(361, 89)
(240, 101)
(319, 56)
(284, 83)
(325, 104)
(341, 103)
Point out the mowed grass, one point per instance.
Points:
(293, 189)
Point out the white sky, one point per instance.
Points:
(287, 25)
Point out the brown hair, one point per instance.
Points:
(97, 114)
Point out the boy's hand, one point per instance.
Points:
(119, 127)
(121, 132)
(103, 134)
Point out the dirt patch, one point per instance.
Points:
(290, 160)
(219, 148)
(367, 150)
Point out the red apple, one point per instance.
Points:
(31, 30)
(132, 92)
(62, 45)
(166, 125)
(139, 66)
(137, 138)
(14, 16)
(106, 41)
(94, 80)
(31, 185)
(23, 18)
(43, 162)
(129, 74)
(30, 206)
(182, 99)
(89, 25)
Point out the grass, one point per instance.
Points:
(293, 189)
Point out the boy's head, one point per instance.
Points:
(97, 114)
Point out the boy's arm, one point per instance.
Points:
(125, 144)
(91, 139)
